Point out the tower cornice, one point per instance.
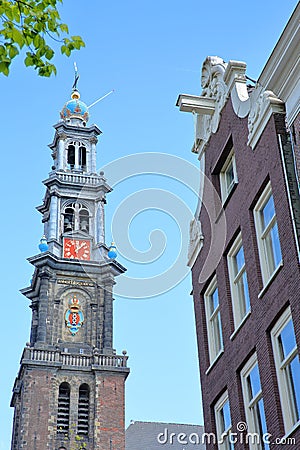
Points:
(63, 131)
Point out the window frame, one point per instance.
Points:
(83, 410)
(223, 435)
(234, 279)
(249, 403)
(287, 404)
(262, 233)
(225, 189)
(210, 319)
(63, 409)
(79, 213)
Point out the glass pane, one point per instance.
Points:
(229, 174)
(214, 300)
(246, 292)
(217, 333)
(220, 331)
(226, 416)
(254, 381)
(276, 245)
(295, 382)
(239, 258)
(268, 212)
(262, 423)
(287, 341)
(243, 294)
(268, 246)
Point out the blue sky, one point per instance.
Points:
(148, 52)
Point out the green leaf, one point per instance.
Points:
(64, 28)
(65, 50)
(2, 50)
(49, 53)
(18, 37)
(29, 60)
(38, 41)
(13, 51)
(4, 68)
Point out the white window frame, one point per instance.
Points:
(225, 189)
(214, 352)
(234, 280)
(287, 403)
(249, 404)
(223, 435)
(267, 273)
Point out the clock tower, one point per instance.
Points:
(69, 392)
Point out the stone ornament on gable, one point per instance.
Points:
(263, 104)
(214, 87)
(196, 240)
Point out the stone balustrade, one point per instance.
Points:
(78, 178)
(57, 357)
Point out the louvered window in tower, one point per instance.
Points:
(63, 412)
(83, 410)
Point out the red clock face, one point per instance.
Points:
(77, 249)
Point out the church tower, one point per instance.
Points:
(69, 392)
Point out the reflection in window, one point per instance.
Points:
(213, 320)
(254, 405)
(267, 234)
(223, 423)
(238, 281)
(288, 368)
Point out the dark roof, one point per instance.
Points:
(157, 436)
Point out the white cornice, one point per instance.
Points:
(281, 73)
(196, 104)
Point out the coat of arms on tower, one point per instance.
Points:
(74, 316)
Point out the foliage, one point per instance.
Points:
(32, 24)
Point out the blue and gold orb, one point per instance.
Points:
(75, 109)
(112, 252)
(43, 246)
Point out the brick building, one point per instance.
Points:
(69, 393)
(244, 248)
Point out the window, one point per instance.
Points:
(76, 217)
(82, 157)
(223, 423)
(267, 234)
(71, 156)
(84, 220)
(228, 176)
(83, 410)
(287, 368)
(69, 219)
(76, 156)
(254, 405)
(238, 281)
(213, 320)
(63, 411)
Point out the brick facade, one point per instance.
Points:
(255, 167)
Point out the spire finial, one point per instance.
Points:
(76, 78)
